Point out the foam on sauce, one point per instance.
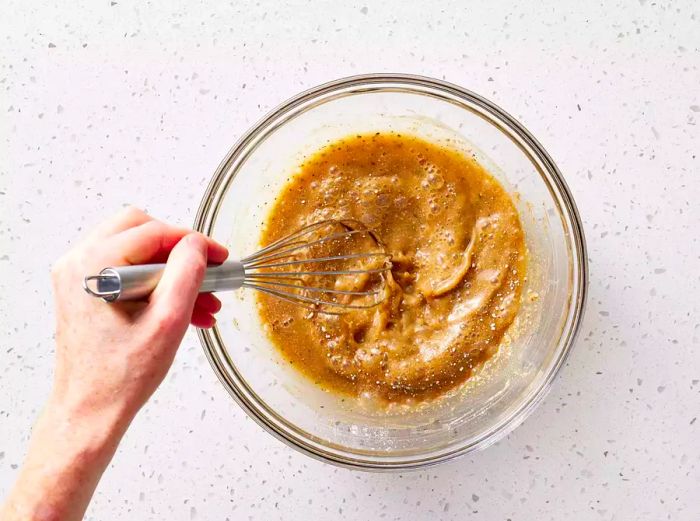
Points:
(458, 256)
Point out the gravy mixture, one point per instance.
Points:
(458, 262)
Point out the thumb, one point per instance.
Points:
(179, 286)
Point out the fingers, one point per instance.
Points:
(152, 242)
(122, 220)
(202, 319)
(208, 303)
(205, 307)
(178, 288)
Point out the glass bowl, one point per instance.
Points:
(505, 390)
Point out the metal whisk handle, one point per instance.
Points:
(138, 281)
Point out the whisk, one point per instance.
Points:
(330, 266)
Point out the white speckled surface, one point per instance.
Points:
(106, 103)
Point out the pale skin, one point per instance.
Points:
(110, 358)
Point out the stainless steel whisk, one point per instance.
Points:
(277, 270)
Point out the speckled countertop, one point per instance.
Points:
(105, 103)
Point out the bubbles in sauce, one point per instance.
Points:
(458, 256)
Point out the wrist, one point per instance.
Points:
(89, 432)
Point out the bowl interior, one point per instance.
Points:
(345, 430)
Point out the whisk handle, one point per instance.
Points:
(138, 281)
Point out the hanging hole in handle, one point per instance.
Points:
(106, 286)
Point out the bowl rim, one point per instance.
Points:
(336, 454)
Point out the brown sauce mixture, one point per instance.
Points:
(458, 263)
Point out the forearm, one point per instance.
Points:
(110, 358)
(68, 453)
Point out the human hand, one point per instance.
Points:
(113, 356)
(109, 358)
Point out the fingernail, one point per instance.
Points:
(195, 239)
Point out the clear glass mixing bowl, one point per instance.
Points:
(344, 431)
